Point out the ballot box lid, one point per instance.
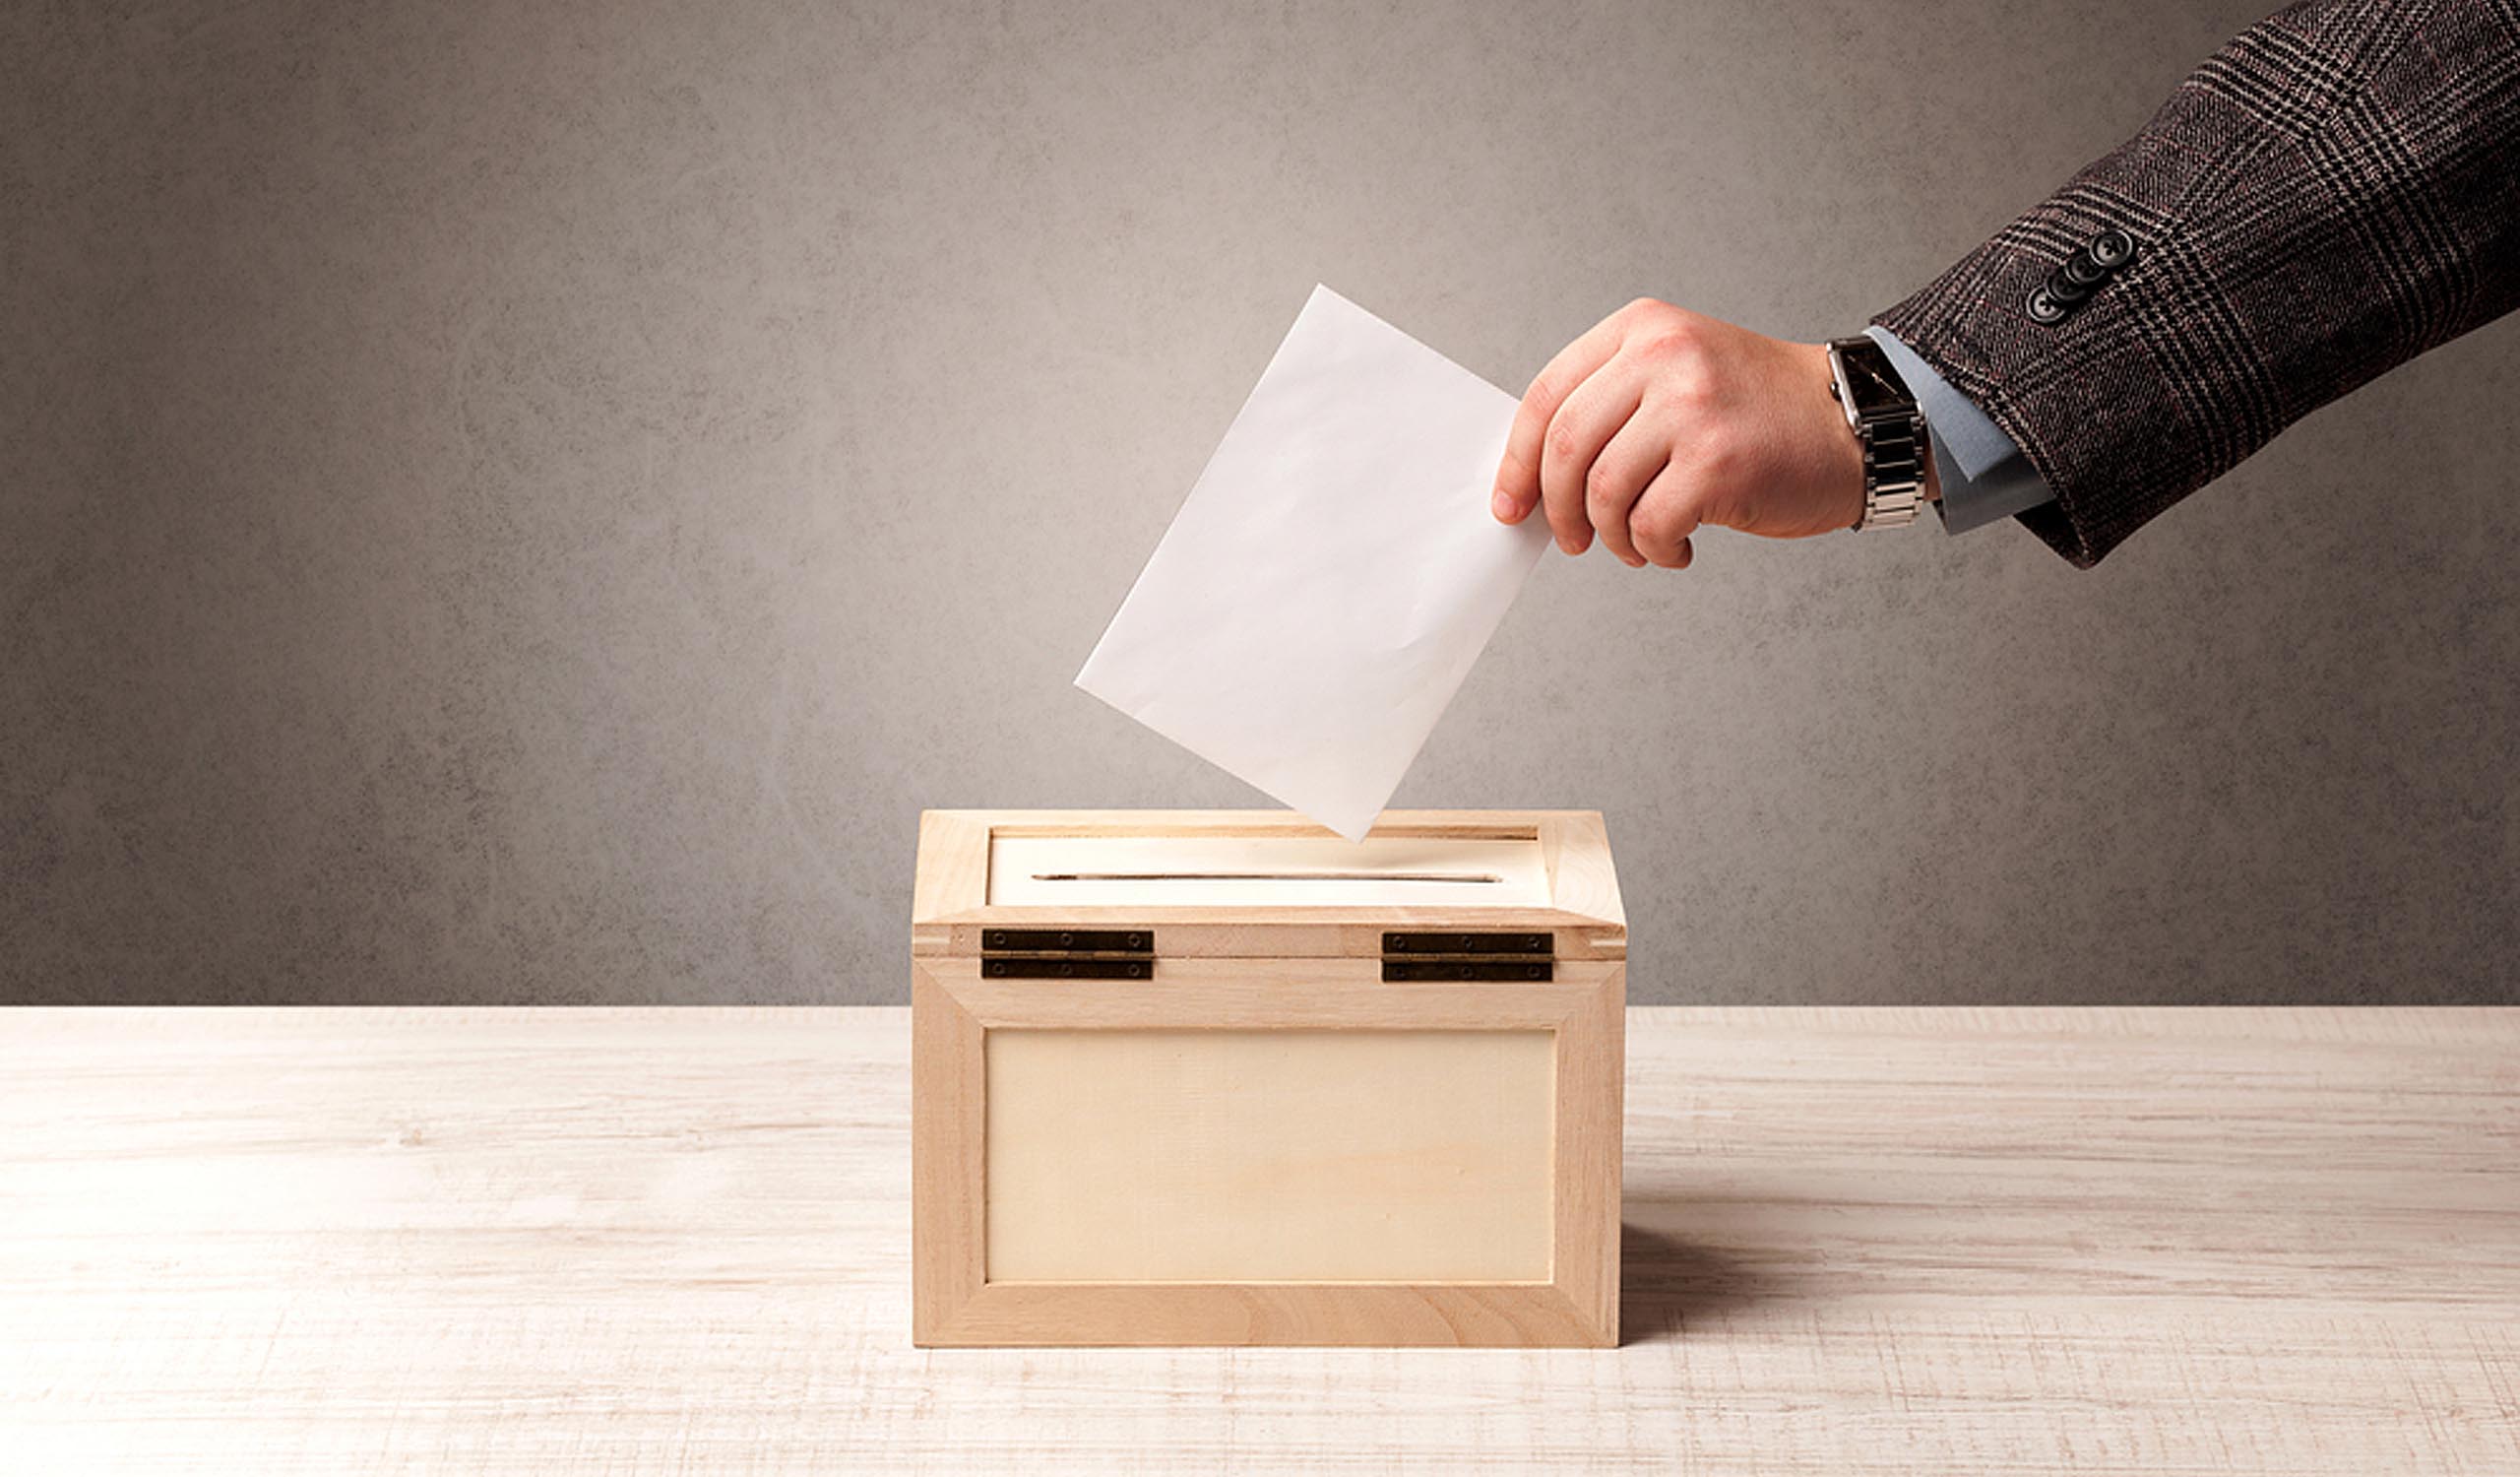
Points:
(1463, 885)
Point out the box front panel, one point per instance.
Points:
(1272, 1155)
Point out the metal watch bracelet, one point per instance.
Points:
(1894, 471)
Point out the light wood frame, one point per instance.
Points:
(950, 905)
(1241, 971)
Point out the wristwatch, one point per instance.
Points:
(1885, 419)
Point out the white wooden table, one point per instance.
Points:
(1928, 1242)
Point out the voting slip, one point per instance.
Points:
(1334, 574)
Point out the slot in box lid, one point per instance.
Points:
(1266, 883)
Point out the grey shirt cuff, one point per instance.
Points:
(1984, 476)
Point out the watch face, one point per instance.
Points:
(1870, 383)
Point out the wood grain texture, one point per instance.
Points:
(1270, 1156)
(1857, 1242)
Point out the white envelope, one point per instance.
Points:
(1334, 574)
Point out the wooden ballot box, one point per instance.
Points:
(1223, 1077)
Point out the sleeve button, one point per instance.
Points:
(2113, 248)
(2082, 270)
(2065, 289)
(2044, 307)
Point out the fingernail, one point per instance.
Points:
(1504, 505)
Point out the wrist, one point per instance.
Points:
(1825, 465)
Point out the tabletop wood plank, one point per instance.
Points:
(676, 1240)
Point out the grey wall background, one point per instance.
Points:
(527, 502)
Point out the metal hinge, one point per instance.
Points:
(1067, 953)
(1467, 956)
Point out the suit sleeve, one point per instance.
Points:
(2333, 192)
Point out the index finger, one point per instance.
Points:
(1518, 476)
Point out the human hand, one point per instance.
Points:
(1660, 421)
